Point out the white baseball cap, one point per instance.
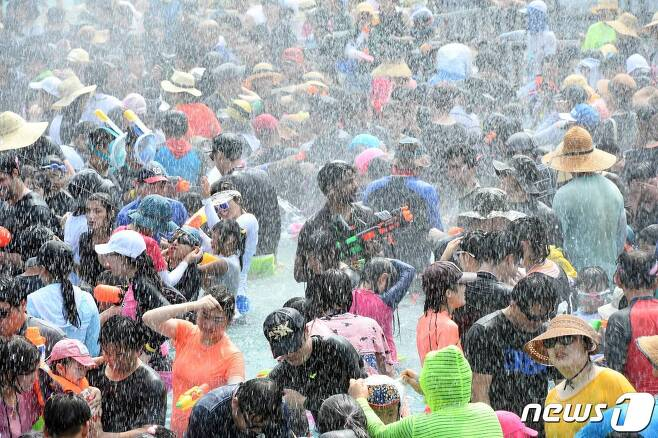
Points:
(536, 4)
(126, 242)
(48, 84)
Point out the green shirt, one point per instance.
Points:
(598, 34)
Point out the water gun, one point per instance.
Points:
(5, 237)
(354, 245)
(263, 373)
(189, 398)
(104, 293)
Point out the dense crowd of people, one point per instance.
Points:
(496, 158)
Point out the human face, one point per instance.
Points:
(212, 323)
(347, 189)
(115, 263)
(388, 414)
(11, 319)
(229, 210)
(254, 423)
(298, 357)
(73, 371)
(118, 357)
(456, 296)
(7, 188)
(96, 215)
(532, 317)
(24, 382)
(223, 164)
(566, 351)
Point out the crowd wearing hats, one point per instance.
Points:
(168, 168)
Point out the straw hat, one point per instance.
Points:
(89, 33)
(180, 82)
(605, 5)
(315, 76)
(392, 70)
(653, 22)
(577, 154)
(561, 325)
(648, 345)
(78, 56)
(625, 24)
(70, 89)
(16, 133)
(262, 71)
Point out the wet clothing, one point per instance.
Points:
(201, 120)
(90, 267)
(333, 362)
(446, 383)
(138, 400)
(30, 210)
(391, 192)
(15, 421)
(52, 333)
(494, 346)
(605, 387)
(484, 296)
(434, 331)
(47, 303)
(196, 364)
(187, 166)
(621, 351)
(211, 416)
(593, 220)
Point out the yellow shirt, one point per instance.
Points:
(605, 387)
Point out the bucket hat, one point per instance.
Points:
(561, 325)
(69, 90)
(49, 84)
(625, 24)
(578, 154)
(392, 70)
(16, 133)
(181, 82)
(284, 330)
(154, 213)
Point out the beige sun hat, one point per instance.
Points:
(577, 153)
(70, 89)
(16, 133)
(625, 24)
(561, 325)
(263, 71)
(78, 56)
(181, 82)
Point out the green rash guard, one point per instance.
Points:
(446, 382)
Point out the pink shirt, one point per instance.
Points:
(17, 422)
(367, 303)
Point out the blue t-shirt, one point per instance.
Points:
(187, 167)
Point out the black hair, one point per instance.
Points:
(230, 227)
(56, 257)
(231, 145)
(443, 97)
(225, 299)
(332, 175)
(436, 281)
(174, 124)
(99, 138)
(536, 288)
(641, 171)
(109, 205)
(191, 200)
(332, 289)
(574, 94)
(143, 264)
(496, 246)
(473, 242)
(8, 162)
(297, 303)
(341, 412)
(19, 357)
(123, 331)
(375, 267)
(33, 239)
(262, 398)
(592, 278)
(10, 293)
(462, 153)
(533, 230)
(65, 414)
(633, 270)
(648, 234)
(222, 185)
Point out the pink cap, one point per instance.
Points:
(73, 349)
(265, 122)
(513, 427)
(362, 161)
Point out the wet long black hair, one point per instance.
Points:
(110, 208)
(230, 227)
(57, 259)
(374, 268)
(17, 357)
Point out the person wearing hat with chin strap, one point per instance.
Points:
(567, 345)
(182, 94)
(590, 207)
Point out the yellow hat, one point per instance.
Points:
(181, 82)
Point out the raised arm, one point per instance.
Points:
(395, 293)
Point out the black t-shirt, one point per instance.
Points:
(90, 268)
(495, 347)
(328, 371)
(139, 400)
(212, 416)
(40, 149)
(30, 210)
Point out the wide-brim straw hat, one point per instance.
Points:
(653, 22)
(181, 82)
(561, 325)
(577, 153)
(648, 346)
(625, 24)
(263, 71)
(16, 133)
(70, 89)
(392, 70)
(605, 5)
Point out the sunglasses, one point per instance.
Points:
(54, 167)
(223, 206)
(562, 340)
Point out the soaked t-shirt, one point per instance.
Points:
(138, 400)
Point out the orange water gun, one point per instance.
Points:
(189, 398)
(104, 293)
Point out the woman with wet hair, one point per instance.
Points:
(228, 244)
(341, 412)
(60, 302)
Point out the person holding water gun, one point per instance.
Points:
(205, 355)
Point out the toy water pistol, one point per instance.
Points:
(5, 237)
(189, 398)
(104, 293)
(354, 245)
